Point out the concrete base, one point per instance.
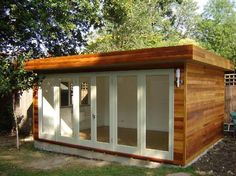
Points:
(95, 155)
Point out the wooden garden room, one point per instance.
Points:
(148, 104)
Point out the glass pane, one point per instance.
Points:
(48, 107)
(127, 110)
(64, 86)
(157, 112)
(66, 109)
(102, 109)
(85, 109)
(84, 93)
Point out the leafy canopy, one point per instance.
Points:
(40, 28)
(217, 29)
(152, 23)
(144, 23)
(13, 78)
(45, 28)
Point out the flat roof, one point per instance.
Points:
(125, 60)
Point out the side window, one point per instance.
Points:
(84, 93)
(66, 93)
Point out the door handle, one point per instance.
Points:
(94, 116)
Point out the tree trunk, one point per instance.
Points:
(16, 120)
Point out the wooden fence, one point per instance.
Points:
(230, 95)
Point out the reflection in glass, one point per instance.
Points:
(103, 122)
(157, 112)
(66, 109)
(85, 109)
(48, 107)
(127, 110)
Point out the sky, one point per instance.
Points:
(201, 3)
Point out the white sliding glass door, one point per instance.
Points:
(129, 111)
(102, 109)
(143, 113)
(94, 111)
(47, 108)
(158, 123)
(85, 113)
(66, 109)
(102, 114)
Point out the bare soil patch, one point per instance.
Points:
(64, 161)
(29, 157)
(7, 140)
(220, 160)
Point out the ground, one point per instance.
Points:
(220, 160)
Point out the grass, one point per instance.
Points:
(14, 163)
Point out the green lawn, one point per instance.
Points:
(14, 163)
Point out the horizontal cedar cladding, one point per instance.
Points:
(113, 60)
(134, 59)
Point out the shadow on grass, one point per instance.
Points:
(16, 163)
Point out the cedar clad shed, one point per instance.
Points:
(159, 104)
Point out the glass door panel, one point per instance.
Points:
(157, 112)
(102, 102)
(66, 109)
(85, 108)
(127, 110)
(48, 111)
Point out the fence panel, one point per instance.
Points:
(230, 95)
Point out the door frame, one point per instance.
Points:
(152, 152)
(141, 112)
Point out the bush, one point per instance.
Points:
(6, 115)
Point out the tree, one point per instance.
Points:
(134, 24)
(217, 29)
(186, 18)
(44, 28)
(40, 28)
(14, 79)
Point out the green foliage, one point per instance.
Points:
(49, 27)
(153, 23)
(41, 28)
(13, 77)
(186, 18)
(13, 80)
(217, 29)
(127, 28)
(143, 24)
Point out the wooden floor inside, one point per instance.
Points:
(157, 140)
